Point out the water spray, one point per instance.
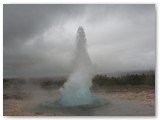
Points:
(76, 90)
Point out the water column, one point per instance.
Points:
(76, 90)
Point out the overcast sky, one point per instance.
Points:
(39, 40)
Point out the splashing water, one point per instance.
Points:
(76, 91)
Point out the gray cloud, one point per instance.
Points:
(39, 39)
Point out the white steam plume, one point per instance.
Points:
(76, 91)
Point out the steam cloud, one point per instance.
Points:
(76, 90)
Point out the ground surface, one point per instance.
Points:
(125, 102)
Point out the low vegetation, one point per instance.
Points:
(99, 80)
(129, 79)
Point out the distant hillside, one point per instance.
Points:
(117, 74)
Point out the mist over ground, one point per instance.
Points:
(39, 40)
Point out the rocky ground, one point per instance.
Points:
(143, 95)
(19, 104)
(146, 97)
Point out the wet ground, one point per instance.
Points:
(112, 107)
(119, 103)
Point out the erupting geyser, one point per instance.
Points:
(76, 91)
